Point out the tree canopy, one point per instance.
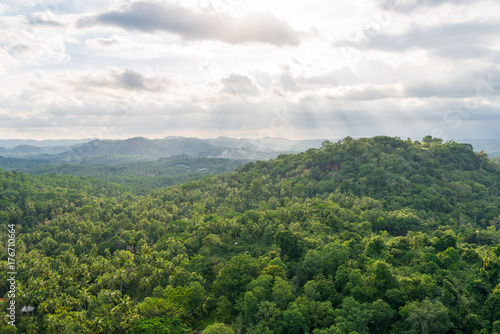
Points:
(375, 235)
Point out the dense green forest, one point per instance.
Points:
(142, 176)
(379, 235)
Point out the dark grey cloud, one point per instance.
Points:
(127, 80)
(151, 17)
(241, 85)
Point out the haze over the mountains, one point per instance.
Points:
(140, 147)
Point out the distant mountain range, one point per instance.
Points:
(139, 147)
(12, 143)
(143, 148)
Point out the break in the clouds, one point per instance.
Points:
(151, 17)
(249, 68)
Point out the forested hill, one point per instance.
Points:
(442, 179)
(377, 235)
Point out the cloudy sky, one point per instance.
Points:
(249, 68)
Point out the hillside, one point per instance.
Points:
(142, 176)
(376, 235)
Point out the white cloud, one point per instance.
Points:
(198, 25)
(105, 43)
(116, 79)
(30, 47)
(240, 85)
(6, 60)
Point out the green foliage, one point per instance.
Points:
(360, 236)
(218, 328)
(426, 317)
(166, 325)
(140, 177)
(8, 329)
(235, 275)
(290, 244)
(293, 322)
(282, 293)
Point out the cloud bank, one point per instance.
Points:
(255, 68)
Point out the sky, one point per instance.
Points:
(249, 68)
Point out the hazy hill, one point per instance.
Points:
(222, 147)
(11, 143)
(26, 149)
(138, 146)
(265, 148)
(143, 148)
